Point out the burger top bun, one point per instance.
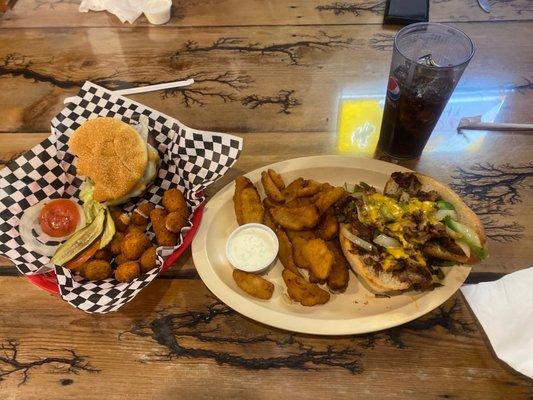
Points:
(112, 154)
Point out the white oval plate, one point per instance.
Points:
(353, 312)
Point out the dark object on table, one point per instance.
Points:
(406, 12)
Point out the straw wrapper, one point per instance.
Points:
(190, 160)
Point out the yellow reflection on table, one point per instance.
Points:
(359, 122)
(359, 125)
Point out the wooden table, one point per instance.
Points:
(276, 73)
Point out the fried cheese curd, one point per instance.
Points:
(96, 270)
(163, 236)
(115, 245)
(148, 259)
(128, 271)
(141, 215)
(173, 200)
(133, 245)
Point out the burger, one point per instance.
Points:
(398, 240)
(115, 157)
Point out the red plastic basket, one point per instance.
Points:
(48, 281)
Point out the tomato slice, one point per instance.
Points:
(84, 256)
(59, 217)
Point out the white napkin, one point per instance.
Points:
(505, 310)
(125, 10)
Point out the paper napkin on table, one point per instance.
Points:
(125, 10)
(505, 310)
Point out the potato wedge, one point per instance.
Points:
(298, 240)
(277, 179)
(313, 278)
(291, 191)
(270, 187)
(241, 183)
(268, 203)
(328, 228)
(319, 257)
(297, 218)
(339, 276)
(297, 247)
(299, 202)
(254, 285)
(252, 208)
(301, 188)
(305, 293)
(309, 188)
(327, 198)
(307, 235)
(247, 203)
(268, 221)
(285, 252)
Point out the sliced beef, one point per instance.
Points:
(415, 274)
(438, 231)
(407, 181)
(431, 195)
(363, 231)
(449, 244)
(416, 230)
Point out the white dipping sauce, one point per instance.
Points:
(251, 249)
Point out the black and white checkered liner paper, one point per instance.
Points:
(190, 160)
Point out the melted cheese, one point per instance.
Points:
(421, 260)
(397, 252)
(390, 217)
(380, 209)
(388, 263)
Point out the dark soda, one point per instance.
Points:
(427, 62)
(408, 122)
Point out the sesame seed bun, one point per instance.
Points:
(112, 154)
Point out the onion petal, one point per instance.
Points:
(386, 241)
(465, 247)
(357, 240)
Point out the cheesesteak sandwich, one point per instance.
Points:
(398, 240)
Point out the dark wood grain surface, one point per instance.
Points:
(278, 74)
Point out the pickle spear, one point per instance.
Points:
(80, 240)
(109, 229)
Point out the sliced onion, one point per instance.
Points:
(350, 188)
(441, 214)
(454, 235)
(464, 247)
(357, 240)
(404, 197)
(359, 213)
(386, 241)
(29, 222)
